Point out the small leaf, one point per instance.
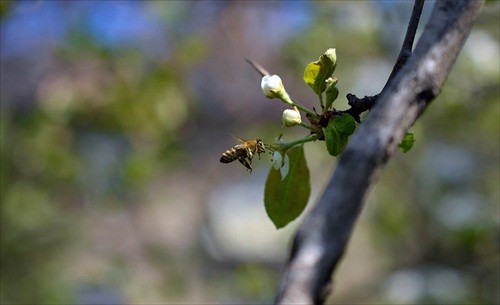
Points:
(332, 92)
(311, 74)
(337, 133)
(407, 142)
(286, 199)
(318, 72)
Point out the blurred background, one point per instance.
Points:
(114, 115)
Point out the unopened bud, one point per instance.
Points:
(291, 117)
(272, 86)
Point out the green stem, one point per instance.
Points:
(320, 95)
(269, 146)
(314, 115)
(287, 145)
(307, 126)
(286, 99)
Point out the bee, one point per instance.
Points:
(243, 152)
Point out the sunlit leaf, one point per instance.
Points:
(316, 73)
(337, 133)
(286, 199)
(407, 142)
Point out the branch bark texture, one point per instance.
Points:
(321, 240)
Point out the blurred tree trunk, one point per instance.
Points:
(321, 240)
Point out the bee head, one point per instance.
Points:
(260, 146)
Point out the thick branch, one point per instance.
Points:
(322, 238)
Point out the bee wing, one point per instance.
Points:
(240, 139)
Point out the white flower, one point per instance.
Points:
(277, 160)
(285, 168)
(291, 117)
(281, 164)
(272, 86)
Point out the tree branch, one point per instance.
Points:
(321, 239)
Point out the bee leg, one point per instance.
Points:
(246, 163)
(249, 154)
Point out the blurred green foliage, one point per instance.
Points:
(118, 94)
(104, 124)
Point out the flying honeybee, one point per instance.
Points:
(243, 152)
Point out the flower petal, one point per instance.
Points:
(285, 168)
(277, 160)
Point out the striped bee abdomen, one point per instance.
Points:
(229, 156)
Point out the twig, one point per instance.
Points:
(321, 239)
(411, 31)
(263, 72)
(360, 105)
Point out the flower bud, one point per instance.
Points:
(291, 117)
(272, 86)
(331, 81)
(332, 56)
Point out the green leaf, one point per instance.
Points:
(318, 72)
(332, 92)
(337, 133)
(286, 199)
(407, 142)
